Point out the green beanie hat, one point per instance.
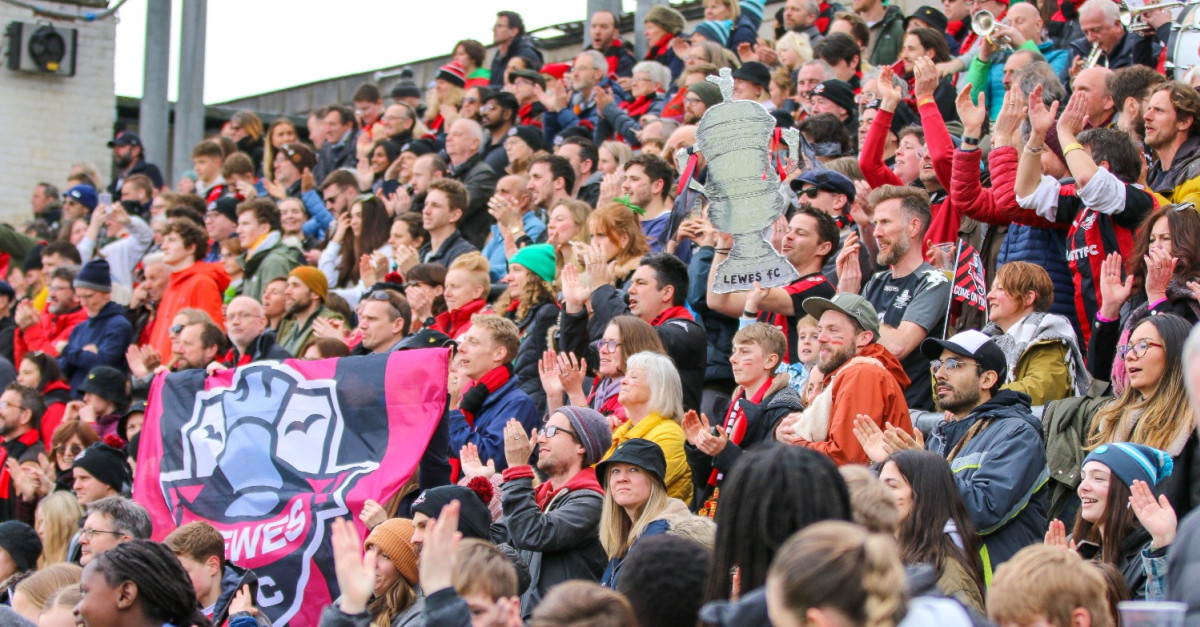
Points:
(538, 259)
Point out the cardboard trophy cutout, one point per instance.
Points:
(743, 189)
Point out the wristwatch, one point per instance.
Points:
(970, 141)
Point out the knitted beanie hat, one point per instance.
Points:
(592, 430)
(716, 31)
(107, 464)
(313, 279)
(95, 275)
(21, 543)
(666, 18)
(393, 537)
(452, 73)
(538, 259)
(1130, 462)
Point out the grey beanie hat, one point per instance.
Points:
(591, 429)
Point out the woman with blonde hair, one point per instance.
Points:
(445, 98)
(613, 156)
(636, 503)
(618, 234)
(465, 291)
(59, 609)
(563, 374)
(652, 396)
(837, 573)
(530, 303)
(29, 597)
(566, 225)
(281, 132)
(56, 520)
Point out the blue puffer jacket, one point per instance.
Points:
(1001, 473)
(1048, 249)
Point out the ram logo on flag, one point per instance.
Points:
(969, 286)
(272, 452)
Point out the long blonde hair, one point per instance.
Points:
(1164, 415)
(454, 97)
(841, 566)
(60, 520)
(41, 584)
(617, 531)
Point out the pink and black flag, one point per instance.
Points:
(272, 452)
(969, 286)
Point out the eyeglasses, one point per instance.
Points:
(469, 100)
(89, 533)
(242, 316)
(608, 346)
(175, 329)
(810, 192)
(553, 430)
(487, 108)
(1138, 349)
(952, 364)
(394, 118)
(72, 450)
(693, 101)
(6, 405)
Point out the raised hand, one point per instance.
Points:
(1057, 536)
(1041, 118)
(1156, 515)
(1160, 268)
(575, 290)
(871, 438)
(926, 78)
(548, 372)
(848, 269)
(889, 93)
(1074, 117)
(973, 116)
(1012, 113)
(355, 572)
(372, 514)
(571, 371)
(518, 446)
(1113, 291)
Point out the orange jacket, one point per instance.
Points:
(873, 386)
(202, 286)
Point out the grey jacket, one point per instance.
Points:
(412, 616)
(558, 544)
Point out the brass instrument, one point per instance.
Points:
(1094, 57)
(984, 24)
(1130, 17)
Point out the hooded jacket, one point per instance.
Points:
(1001, 473)
(109, 331)
(887, 37)
(761, 419)
(887, 405)
(55, 394)
(273, 260)
(200, 285)
(520, 46)
(558, 543)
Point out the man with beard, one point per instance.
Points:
(198, 345)
(1131, 90)
(129, 158)
(304, 300)
(499, 116)
(1171, 131)
(551, 178)
(809, 242)
(992, 441)
(21, 411)
(555, 524)
(606, 39)
(911, 293)
(647, 185)
(246, 326)
(861, 378)
(700, 97)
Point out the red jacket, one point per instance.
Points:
(202, 286)
(56, 406)
(49, 330)
(997, 204)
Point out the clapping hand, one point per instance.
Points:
(372, 514)
(472, 465)
(355, 572)
(889, 93)
(973, 116)
(848, 269)
(518, 447)
(440, 550)
(1074, 117)
(1156, 515)
(1056, 536)
(926, 78)
(1113, 291)
(1041, 118)
(699, 434)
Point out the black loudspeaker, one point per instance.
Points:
(41, 48)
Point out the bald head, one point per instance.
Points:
(244, 321)
(1096, 83)
(1026, 19)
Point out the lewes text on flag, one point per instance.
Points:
(271, 453)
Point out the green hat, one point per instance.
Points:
(538, 259)
(708, 92)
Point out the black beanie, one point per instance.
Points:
(107, 464)
(474, 519)
(22, 544)
(95, 275)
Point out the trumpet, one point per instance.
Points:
(1094, 57)
(1131, 16)
(984, 25)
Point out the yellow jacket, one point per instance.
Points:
(668, 435)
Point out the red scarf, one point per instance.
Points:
(527, 117)
(674, 107)
(472, 401)
(640, 106)
(545, 492)
(735, 420)
(435, 125)
(678, 311)
(456, 322)
(661, 48)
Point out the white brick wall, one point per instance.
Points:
(49, 122)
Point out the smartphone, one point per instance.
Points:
(105, 198)
(389, 187)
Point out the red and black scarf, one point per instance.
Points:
(474, 398)
(660, 49)
(639, 106)
(678, 311)
(735, 420)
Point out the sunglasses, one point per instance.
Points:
(810, 192)
(64, 450)
(175, 329)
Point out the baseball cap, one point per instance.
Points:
(970, 343)
(125, 138)
(84, 195)
(851, 305)
(826, 180)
